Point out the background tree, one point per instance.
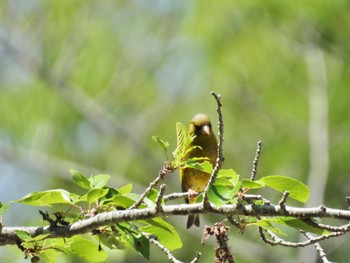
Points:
(85, 85)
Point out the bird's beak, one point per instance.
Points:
(206, 129)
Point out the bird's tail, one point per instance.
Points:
(192, 220)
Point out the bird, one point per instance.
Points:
(194, 181)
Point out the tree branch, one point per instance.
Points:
(8, 235)
(256, 161)
(166, 251)
(220, 157)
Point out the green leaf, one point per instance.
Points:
(203, 166)
(3, 208)
(95, 194)
(49, 197)
(301, 225)
(297, 189)
(98, 181)
(184, 145)
(230, 175)
(54, 248)
(27, 238)
(112, 240)
(163, 231)
(163, 144)
(123, 202)
(246, 183)
(125, 189)
(266, 224)
(135, 238)
(221, 194)
(152, 195)
(23, 235)
(86, 249)
(223, 181)
(79, 179)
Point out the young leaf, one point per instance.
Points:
(49, 197)
(230, 175)
(23, 235)
(203, 166)
(246, 183)
(135, 238)
(95, 194)
(86, 249)
(184, 145)
(3, 208)
(163, 144)
(266, 224)
(125, 189)
(164, 232)
(297, 189)
(301, 225)
(223, 181)
(123, 202)
(80, 179)
(98, 181)
(221, 194)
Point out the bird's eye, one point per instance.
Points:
(198, 128)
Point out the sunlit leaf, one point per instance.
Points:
(201, 166)
(184, 145)
(221, 194)
(297, 189)
(125, 189)
(3, 208)
(98, 181)
(86, 249)
(246, 183)
(164, 232)
(229, 174)
(80, 179)
(23, 235)
(163, 144)
(48, 198)
(94, 194)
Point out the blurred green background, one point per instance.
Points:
(85, 84)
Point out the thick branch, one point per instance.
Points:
(9, 236)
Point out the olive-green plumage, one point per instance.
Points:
(192, 179)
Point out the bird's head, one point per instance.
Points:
(200, 126)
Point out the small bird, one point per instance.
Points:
(194, 181)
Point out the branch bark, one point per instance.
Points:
(8, 234)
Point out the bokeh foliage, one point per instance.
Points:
(85, 85)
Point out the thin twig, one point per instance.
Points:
(277, 241)
(166, 251)
(282, 202)
(315, 224)
(160, 197)
(256, 161)
(196, 258)
(320, 250)
(164, 171)
(220, 157)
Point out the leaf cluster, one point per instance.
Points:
(97, 198)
